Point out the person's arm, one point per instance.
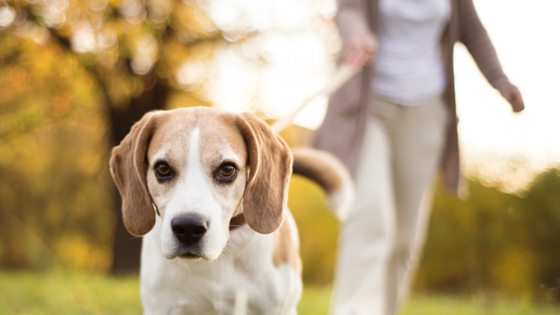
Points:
(475, 38)
(351, 18)
(353, 27)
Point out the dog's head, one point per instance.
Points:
(199, 167)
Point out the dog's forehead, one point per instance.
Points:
(217, 132)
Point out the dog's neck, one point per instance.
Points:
(237, 221)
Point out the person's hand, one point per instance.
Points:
(513, 96)
(351, 46)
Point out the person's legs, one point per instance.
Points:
(362, 241)
(386, 226)
(417, 135)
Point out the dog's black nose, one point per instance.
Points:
(189, 228)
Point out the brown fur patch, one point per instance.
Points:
(270, 161)
(217, 130)
(128, 169)
(285, 250)
(237, 222)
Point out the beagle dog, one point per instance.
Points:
(207, 190)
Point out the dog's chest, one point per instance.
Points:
(199, 287)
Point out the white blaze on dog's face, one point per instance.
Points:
(196, 176)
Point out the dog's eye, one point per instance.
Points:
(226, 173)
(227, 170)
(163, 171)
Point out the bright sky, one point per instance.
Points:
(297, 48)
(494, 140)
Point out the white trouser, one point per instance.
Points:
(381, 241)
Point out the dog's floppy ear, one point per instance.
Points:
(129, 167)
(270, 161)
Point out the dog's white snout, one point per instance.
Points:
(189, 228)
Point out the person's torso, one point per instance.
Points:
(408, 63)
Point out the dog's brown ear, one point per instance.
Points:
(129, 167)
(270, 161)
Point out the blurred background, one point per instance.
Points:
(75, 75)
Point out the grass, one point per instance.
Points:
(315, 302)
(67, 293)
(75, 293)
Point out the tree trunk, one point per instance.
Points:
(126, 248)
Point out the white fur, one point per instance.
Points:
(180, 286)
(341, 201)
(240, 259)
(193, 194)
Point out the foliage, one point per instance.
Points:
(126, 45)
(495, 242)
(74, 76)
(52, 161)
(317, 229)
(540, 229)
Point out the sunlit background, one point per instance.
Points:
(75, 75)
(299, 47)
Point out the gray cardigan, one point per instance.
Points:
(343, 129)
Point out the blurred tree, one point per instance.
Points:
(541, 231)
(53, 176)
(471, 243)
(134, 51)
(494, 242)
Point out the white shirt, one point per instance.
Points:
(408, 65)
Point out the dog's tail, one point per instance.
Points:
(327, 171)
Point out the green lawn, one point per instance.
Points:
(71, 293)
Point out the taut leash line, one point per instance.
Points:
(344, 72)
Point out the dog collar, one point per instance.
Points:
(237, 221)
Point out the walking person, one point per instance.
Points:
(393, 125)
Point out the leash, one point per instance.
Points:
(342, 74)
(237, 221)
